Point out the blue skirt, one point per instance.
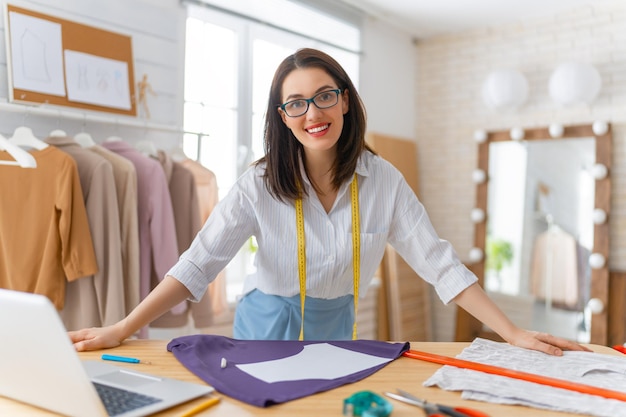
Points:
(261, 316)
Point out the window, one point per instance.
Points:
(229, 64)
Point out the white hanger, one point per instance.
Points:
(178, 154)
(23, 136)
(57, 133)
(84, 139)
(113, 139)
(22, 158)
(147, 148)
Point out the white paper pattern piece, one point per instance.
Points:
(605, 371)
(96, 80)
(315, 361)
(36, 55)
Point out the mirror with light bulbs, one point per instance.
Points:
(541, 228)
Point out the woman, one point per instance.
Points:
(322, 207)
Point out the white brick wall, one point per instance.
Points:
(451, 71)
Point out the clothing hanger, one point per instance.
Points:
(22, 158)
(178, 154)
(84, 139)
(23, 136)
(113, 139)
(147, 148)
(57, 133)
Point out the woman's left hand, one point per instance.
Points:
(544, 342)
(476, 302)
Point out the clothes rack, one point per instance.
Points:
(127, 121)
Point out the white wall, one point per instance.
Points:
(387, 84)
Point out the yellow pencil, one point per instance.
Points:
(201, 407)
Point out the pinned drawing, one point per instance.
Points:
(36, 55)
(96, 80)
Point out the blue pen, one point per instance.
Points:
(120, 359)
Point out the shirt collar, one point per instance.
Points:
(361, 167)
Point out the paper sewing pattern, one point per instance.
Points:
(606, 371)
(317, 361)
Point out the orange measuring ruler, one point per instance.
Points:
(526, 376)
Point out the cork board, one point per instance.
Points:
(57, 61)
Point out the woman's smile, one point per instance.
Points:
(318, 129)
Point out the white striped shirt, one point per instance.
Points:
(389, 213)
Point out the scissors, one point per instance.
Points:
(435, 410)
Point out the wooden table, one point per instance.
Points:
(404, 373)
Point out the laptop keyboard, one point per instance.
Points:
(118, 401)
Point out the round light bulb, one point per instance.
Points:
(599, 216)
(600, 128)
(477, 215)
(476, 254)
(599, 171)
(596, 260)
(480, 136)
(479, 176)
(595, 305)
(505, 89)
(556, 130)
(574, 83)
(517, 133)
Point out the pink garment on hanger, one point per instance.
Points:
(157, 230)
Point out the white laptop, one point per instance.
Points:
(39, 366)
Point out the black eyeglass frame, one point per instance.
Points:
(308, 102)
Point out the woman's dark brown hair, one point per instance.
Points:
(283, 150)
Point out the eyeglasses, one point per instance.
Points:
(323, 100)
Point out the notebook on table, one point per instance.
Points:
(39, 366)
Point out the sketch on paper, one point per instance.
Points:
(96, 80)
(36, 55)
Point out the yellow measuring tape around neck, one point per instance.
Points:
(356, 254)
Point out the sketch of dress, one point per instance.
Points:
(34, 65)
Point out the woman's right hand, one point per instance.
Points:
(97, 337)
(162, 298)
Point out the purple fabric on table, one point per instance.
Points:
(202, 355)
